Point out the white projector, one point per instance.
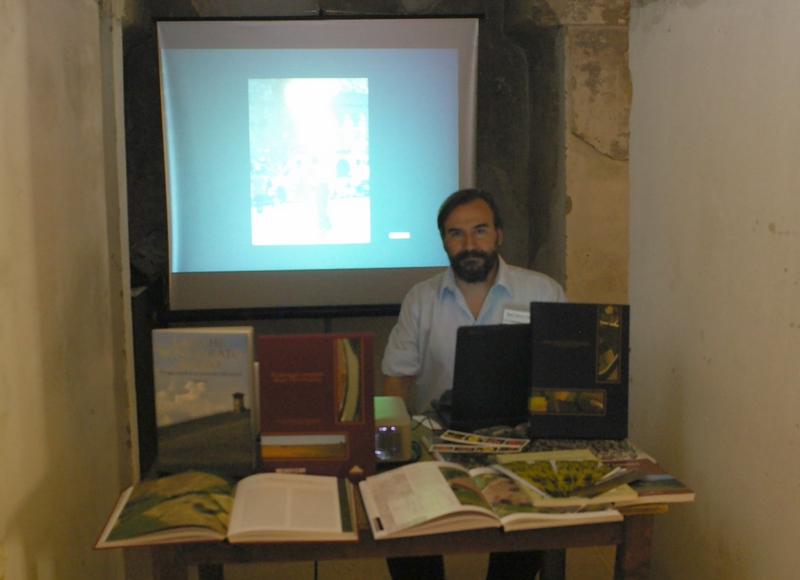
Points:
(392, 430)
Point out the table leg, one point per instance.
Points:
(554, 565)
(210, 572)
(633, 554)
(169, 563)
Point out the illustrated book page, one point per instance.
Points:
(437, 497)
(515, 505)
(186, 507)
(561, 478)
(200, 507)
(426, 497)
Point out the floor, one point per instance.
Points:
(582, 564)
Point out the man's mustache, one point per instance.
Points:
(471, 254)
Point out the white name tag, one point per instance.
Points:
(512, 316)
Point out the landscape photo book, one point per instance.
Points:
(656, 485)
(652, 485)
(569, 478)
(205, 399)
(431, 497)
(196, 506)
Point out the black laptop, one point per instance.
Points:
(491, 378)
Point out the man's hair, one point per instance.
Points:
(463, 196)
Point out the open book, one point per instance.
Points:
(197, 507)
(430, 497)
(573, 477)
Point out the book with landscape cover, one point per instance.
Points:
(205, 398)
(656, 485)
(431, 497)
(195, 506)
(317, 404)
(579, 370)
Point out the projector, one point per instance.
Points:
(392, 430)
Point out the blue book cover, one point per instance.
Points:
(205, 399)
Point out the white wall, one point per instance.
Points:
(60, 323)
(715, 278)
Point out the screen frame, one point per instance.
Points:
(387, 286)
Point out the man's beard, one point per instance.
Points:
(473, 272)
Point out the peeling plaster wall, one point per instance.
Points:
(578, 162)
(598, 95)
(715, 278)
(63, 450)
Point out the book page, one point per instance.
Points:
(555, 475)
(502, 492)
(417, 493)
(190, 505)
(287, 502)
(515, 506)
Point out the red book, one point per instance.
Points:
(316, 404)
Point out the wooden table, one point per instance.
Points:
(632, 537)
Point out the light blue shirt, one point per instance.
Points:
(423, 342)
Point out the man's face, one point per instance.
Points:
(471, 241)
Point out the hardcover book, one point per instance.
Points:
(317, 404)
(656, 486)
(579, 370)
(432, 497)
(202, 507)
(205, 399)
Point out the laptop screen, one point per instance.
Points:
(491, 378)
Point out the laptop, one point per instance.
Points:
(491, 378)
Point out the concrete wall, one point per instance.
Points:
(63, 405)
(715, 278)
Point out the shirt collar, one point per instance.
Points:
(503, 280)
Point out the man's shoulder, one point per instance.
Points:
(428, 286)
(527, 274)
(535, 285)
(422, 298)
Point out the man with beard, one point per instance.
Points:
(476, 289)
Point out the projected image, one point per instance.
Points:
(309, 161)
